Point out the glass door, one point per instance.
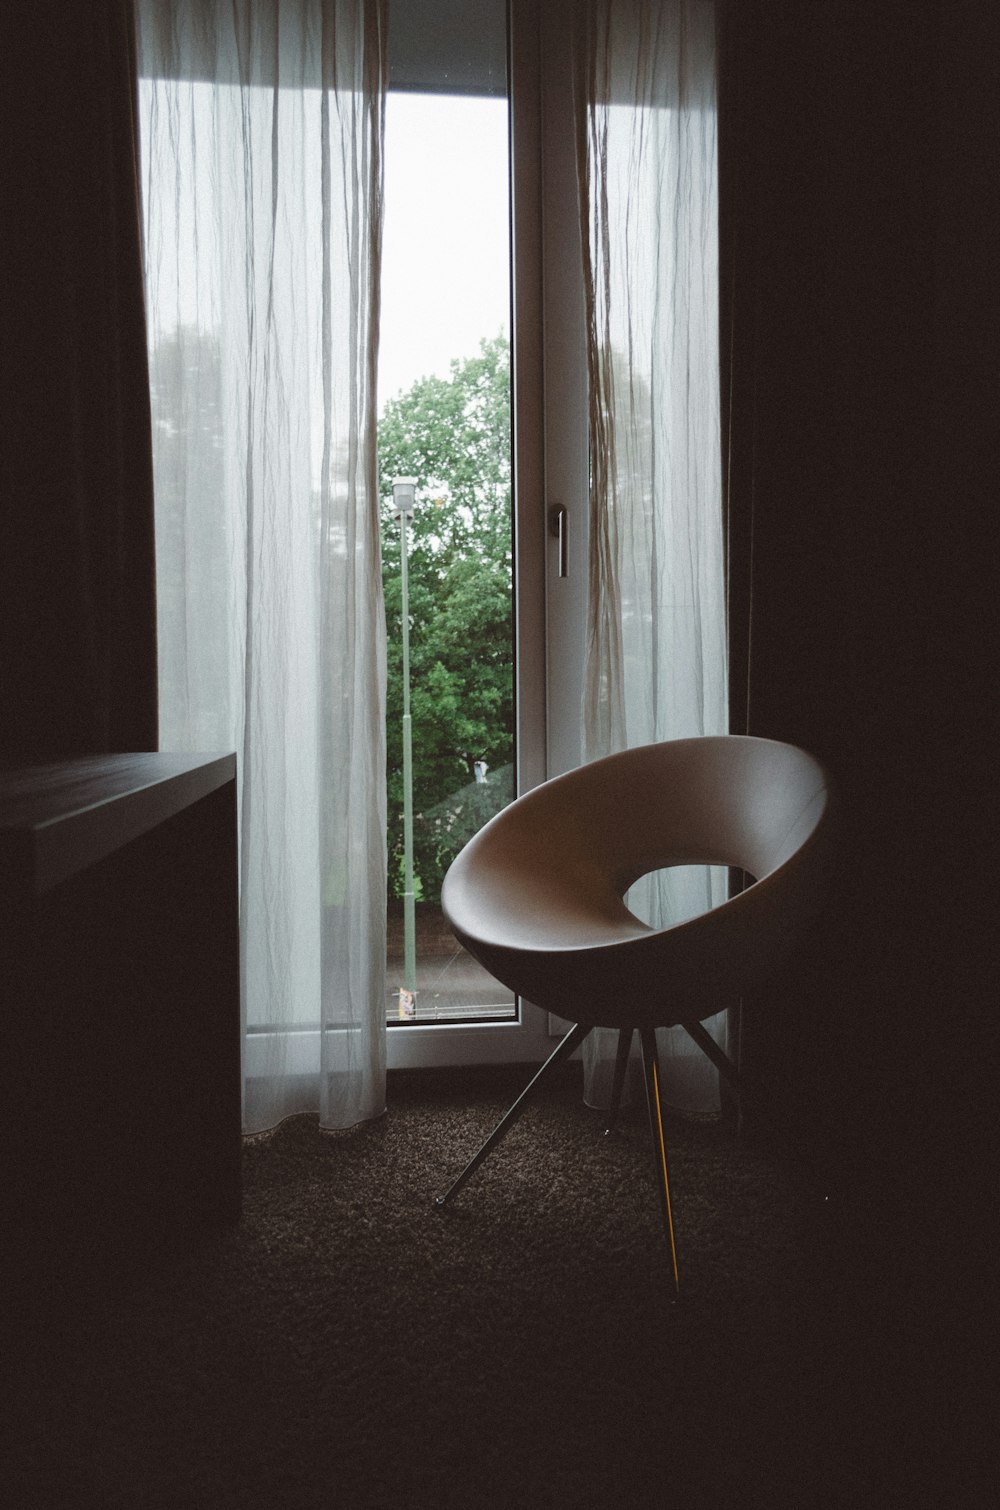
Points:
(445, 482)
(467, 547)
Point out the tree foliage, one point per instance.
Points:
(452, 435)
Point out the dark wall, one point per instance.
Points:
(77, 585)
(858, 149)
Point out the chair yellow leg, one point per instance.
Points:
(651, 1072)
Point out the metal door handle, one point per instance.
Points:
(559, 527)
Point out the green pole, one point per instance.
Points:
(409, 916)
(403, 491)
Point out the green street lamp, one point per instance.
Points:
(403, 495)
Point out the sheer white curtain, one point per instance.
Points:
(261, 129)
(656, 650)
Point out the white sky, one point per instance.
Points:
(445, 247)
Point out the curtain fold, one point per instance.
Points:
(656, 650)
(262, 132)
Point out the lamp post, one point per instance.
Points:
(403, 492)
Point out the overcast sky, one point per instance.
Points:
(445, 253)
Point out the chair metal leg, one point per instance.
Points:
(651, 1072)
(566, 1045)
(621, 1064)
(728, 1070)
(719, 1057)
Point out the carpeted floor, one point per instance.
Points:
(351, 1346)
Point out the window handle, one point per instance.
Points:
(559, 527)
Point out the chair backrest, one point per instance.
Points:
(536, 895)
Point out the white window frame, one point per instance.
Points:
(550, 470)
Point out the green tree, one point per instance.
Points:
(453, 436)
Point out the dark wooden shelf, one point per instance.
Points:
(55, 820)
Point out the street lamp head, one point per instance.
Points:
(403, 495)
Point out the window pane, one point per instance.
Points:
(444, 394)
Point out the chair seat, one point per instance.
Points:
(537, 895)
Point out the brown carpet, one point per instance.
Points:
(351, 1346)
